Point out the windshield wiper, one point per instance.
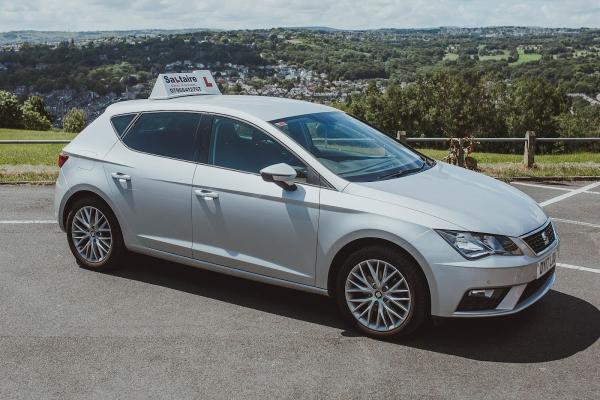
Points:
(400, 173)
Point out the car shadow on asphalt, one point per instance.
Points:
(557, 327)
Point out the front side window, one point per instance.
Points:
(168, 134)
(240, 146)
(349, 148)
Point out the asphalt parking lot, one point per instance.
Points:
(160, 330)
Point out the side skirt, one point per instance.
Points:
(227, 270)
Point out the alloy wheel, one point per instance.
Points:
(91, 234)
(378, 295)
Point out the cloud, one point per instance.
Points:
(237, 14)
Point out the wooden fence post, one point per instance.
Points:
(401, 136)
(461, 153)
(529, 151)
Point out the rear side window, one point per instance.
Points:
(168, 134)
(121, 122)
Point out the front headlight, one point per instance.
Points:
(474, 245)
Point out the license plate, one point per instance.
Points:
(546, 264)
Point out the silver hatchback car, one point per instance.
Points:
(304, 196)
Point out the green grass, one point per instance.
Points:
(504, 56)
(510, 165)
(31, 154)
(525, 58)
(563, 170)
(495, 158)
(6, 134)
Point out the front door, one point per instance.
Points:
(243, 222)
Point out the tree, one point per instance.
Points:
(31, 119)
(533, 104)
(36, 103)
(10, 111)
(34, 114)
(74, 120)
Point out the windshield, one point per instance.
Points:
(350, 148)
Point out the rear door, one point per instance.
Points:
(150, 172)
(241, 221)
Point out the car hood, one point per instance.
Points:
(464, 198)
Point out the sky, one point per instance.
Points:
(74, 15)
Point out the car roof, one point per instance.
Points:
(262, 107)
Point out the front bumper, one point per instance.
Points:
(455, 276)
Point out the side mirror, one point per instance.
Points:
(281, 174)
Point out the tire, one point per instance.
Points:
(399, 318)
(106, 249)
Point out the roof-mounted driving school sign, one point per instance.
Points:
(184, 84)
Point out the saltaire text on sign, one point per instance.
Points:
(184, 84)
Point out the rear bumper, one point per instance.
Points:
(61, 193)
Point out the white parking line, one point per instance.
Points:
(569, 221)
(542, 186)
(28, 221)
(549, 187)
(578, 268)
(569, 194)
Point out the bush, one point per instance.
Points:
(10, 111)
(74, 121)
(34, 114)
(35, 121)
(36, 103)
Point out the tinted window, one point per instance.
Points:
(240, 146)
(169, 134)
(121, 122)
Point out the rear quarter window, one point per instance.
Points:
(121, 122)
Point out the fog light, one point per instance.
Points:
(482, 299)
(481, 293)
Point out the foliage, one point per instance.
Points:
(10, 110)
(580, 119)
(37, 104)
(533, 105)
(34, 114)
(74, 120)
(442, 104)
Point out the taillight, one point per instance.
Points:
(62, 159)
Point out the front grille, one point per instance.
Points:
(534, 286)
(541, 239)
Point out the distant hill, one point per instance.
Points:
(38, 37)
(313, 28)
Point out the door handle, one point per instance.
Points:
(120, 176)
(206, 194)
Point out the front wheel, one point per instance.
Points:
(94, 235)
(382, 292)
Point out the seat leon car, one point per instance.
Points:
(304, 196)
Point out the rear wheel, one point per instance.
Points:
(382, 292)
(94, 235)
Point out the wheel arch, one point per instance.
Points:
(81, 192)
(355, 244)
